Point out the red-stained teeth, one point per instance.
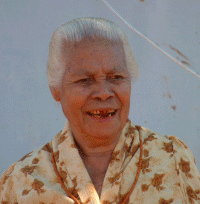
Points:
(102, 114)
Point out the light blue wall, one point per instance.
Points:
(29, 117)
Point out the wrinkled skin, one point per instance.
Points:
(96, 78)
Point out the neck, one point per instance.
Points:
(96, 160)
(98, 151)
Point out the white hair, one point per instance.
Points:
(73, 32)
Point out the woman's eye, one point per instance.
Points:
(85, 81)
(117, 77)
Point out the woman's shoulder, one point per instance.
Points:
(149, 135)
(24, 161)
(31, 162)
(34, 169)
(166, 143)
(169, 145)
(15, 175)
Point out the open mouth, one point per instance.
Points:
(102, 114)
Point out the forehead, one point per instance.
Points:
(91, 54)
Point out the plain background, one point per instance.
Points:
(166, 97)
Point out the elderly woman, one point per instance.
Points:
(100, 156)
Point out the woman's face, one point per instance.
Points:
(95, 91)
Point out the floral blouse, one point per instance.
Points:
(168, 172)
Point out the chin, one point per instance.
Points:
(105, 133)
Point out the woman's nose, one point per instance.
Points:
(102, 91)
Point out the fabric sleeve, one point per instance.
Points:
(188, 174)
(7, 194)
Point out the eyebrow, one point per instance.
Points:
(80, 72)
(116, 69)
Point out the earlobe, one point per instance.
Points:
(55, 93)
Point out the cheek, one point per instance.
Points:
(124, 94)
(75, 98)
(80, 97)
(77, 101)
(72, 107)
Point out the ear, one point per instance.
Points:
(55, 93)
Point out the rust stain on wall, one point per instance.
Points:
(173, 107)
(177, 51)
(186, 63)
(168, 92)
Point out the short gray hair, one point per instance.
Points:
(74, 31)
